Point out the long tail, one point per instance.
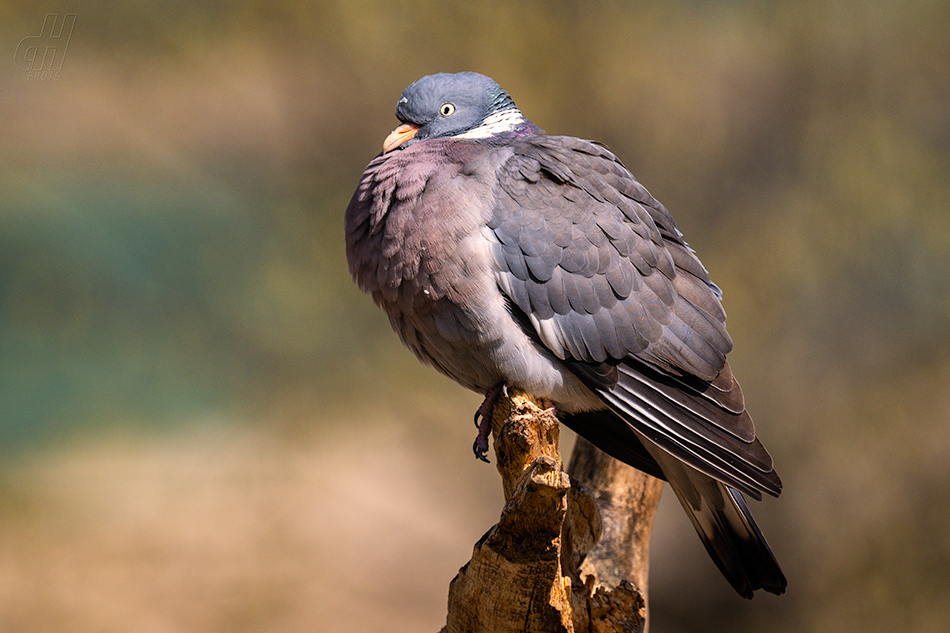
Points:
(719, 513)
(725, 524)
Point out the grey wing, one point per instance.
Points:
(597, 267)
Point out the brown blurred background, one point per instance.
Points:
(204, 426)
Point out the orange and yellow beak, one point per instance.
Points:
(399, 136)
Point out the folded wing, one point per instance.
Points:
(597, 267)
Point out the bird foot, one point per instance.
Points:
(483, 417)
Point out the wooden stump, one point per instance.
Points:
(566, 548)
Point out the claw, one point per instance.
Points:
(480, 448)
(483, 420)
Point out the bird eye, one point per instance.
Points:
(447, 109)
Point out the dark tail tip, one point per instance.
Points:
(761, 569)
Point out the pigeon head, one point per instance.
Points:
(460, 105)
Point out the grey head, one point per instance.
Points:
(460, 105)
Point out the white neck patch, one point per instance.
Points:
(497, 123)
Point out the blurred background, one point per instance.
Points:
(205, 426)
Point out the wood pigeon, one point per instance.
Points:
(506, 257)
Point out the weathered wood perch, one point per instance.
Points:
(570, 551)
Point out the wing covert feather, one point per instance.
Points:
(606, 280)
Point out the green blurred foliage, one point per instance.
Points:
(171, 237)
